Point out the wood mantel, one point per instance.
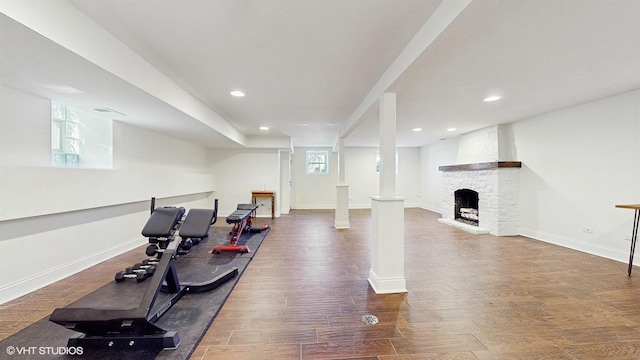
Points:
(481, 166)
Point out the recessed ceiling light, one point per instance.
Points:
(264, 128)
(107, 110)
(491, 98)
(451, 129)
(237, 93)
(417, 129)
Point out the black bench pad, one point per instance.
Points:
(197, 223)
(162, 221)
(243, 211)
(247, 207)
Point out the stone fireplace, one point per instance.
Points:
(482, 197)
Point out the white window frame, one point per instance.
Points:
(309, 162)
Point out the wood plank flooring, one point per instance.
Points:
(470, 297)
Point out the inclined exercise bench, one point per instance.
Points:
(194, 227)
(134, 328)
(241, 220)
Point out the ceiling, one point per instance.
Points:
(313, 70)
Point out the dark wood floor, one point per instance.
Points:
(470, 297)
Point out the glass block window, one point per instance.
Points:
(317, 162)
(80, 139)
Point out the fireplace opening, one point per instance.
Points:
(466, 206)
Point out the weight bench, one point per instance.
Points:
(241, 220)
(134, 328)
(161, 227)
(193, 229)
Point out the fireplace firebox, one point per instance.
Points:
(466, 206)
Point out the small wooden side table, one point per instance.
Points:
(255, 194)
(634, 232)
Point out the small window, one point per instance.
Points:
(80, 139)
(317, 162)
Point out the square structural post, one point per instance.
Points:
(342, 207)
(386, 275)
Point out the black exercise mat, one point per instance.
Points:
(190, 317)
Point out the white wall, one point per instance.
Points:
(315, 191)
(319, 191)
(432, 157)
(60, 221)
(161, 150)
(239, 171)
(21, 143)
(577, 164)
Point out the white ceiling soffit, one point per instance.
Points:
(41, 67)
(78, 54)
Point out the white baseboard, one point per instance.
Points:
(597, 250)
(389, 285)
(351, 206)
(313, 207)
(431, 208)
(24, 286)
(341, 224)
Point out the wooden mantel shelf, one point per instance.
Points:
(482, 166)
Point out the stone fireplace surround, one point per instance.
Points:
(484, 163)
(497, 184)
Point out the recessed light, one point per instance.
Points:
(417, 129)
(264, 128)
(451, 129)
(237, 93)
(491, 98)
(107, 110)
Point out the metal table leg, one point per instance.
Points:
(634, 238)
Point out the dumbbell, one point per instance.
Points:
(138, 271)
(139, 276)
(156, 248)
(152, 250)
(186, 244)
(151, 261)
(149, 268)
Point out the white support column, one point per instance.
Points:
(388, 145)
(341, 162)
(386, 275)
(342, 192)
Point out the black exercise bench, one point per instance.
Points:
(241, 220)
(135, 327)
